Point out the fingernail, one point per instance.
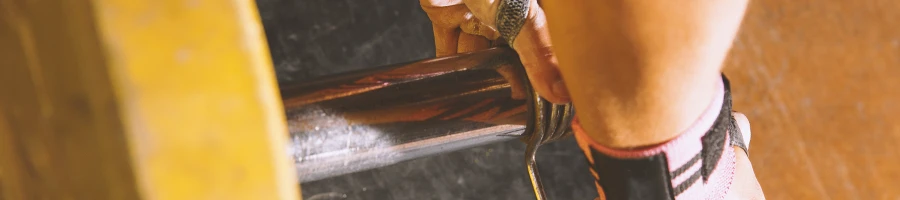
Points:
(559, 89)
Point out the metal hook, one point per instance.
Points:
(551, 122)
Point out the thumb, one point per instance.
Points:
(533, 45)
(536, 53)
(541, 66)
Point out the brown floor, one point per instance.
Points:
(819, 81)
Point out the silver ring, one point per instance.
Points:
(511, 16)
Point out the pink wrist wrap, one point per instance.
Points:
(698, 164)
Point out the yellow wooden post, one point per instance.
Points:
(139, 99)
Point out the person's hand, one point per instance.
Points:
(468, 25)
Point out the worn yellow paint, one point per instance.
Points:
(139, 99)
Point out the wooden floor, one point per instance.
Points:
(819, 82)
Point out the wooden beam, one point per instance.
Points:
(139, 99)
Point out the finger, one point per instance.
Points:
(469, 43)
(484, 9)
(535, 50)
(439, 3)
(515, 81)
(447, 16)
(445, 22)
(541, 67)
(445, 41)
(473, 25)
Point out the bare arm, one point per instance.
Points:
(640, 72)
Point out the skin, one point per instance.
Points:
(640, 72)
(652, 65)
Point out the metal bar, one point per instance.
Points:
(363, 120)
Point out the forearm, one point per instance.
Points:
(640, 72)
